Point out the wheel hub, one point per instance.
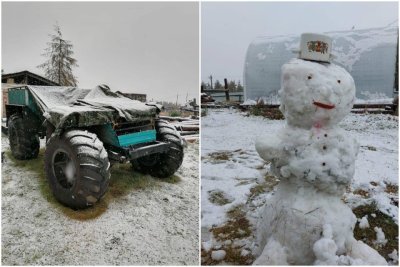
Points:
(64, 169)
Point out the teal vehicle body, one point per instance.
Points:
(117, 136)
(22, 96)
(137, 138)
(109, 136)
(86, 132)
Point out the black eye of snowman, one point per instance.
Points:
(309, 77)
(338, 81)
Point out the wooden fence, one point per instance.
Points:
(357, 108)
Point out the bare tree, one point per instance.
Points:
(60, 62)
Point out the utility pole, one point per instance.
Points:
(211, 81)
(176, 104)
(226, 90)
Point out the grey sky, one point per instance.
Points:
(228, 28)
(137, 47)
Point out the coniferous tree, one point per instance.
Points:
(239, 87)
(59, 63)
(217, 85)
(232, 86)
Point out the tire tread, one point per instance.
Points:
(92, 161)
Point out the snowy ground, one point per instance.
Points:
(157, 225)
(235, 181)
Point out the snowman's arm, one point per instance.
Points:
(269, 147)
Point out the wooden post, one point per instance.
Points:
(226, 90)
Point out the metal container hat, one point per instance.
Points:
(316, 47)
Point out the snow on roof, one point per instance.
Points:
(369, 55)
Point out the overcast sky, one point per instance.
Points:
(228, 28)
(150, 48)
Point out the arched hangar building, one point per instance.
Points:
(369, 55)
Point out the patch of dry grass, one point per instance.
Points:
(392, 189)
(220, 156)
(372, 148)
(237, 227)
(123, 181)
(267, 112)
(361, 192)
(233, 257)
(173, 179)
(218, 197)
(245, 181)
(368, 235)
(267, 186)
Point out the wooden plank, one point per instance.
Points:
(355, 106)
(214, 90)
(191, 138)
(372, 111)
(183, 133)
(373, 106)
(174, 118)
(187, 128)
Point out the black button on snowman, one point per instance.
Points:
(305, 222)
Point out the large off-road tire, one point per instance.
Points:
(24, 141)
(162, 165)
(77, 168)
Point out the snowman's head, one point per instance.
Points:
(315, 94)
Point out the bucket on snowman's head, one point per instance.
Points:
(315, 47)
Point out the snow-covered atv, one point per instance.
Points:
(86, 132)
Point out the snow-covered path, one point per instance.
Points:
(235, 177)
(157, 225)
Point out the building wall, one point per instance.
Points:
(20, 79)
(4, 92)
(5, 101)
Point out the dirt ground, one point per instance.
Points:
(156, 223)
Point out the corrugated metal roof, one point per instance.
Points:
(25, 72)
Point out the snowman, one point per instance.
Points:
(305, 222)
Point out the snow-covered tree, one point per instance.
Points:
(59, 63)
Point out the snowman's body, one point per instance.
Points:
(314, 160)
